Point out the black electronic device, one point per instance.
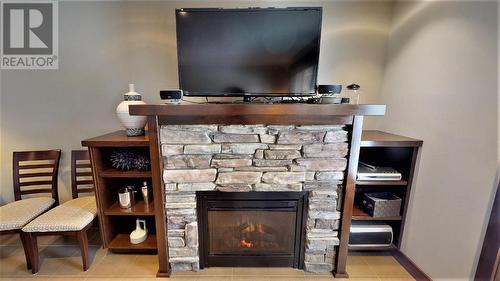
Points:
(248, 52)
(314, 100)
(329, 89)
(171, 96)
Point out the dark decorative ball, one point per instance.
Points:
(122, 159)
(141, 162)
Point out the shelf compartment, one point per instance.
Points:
(113, 173)
(139, 209)
(121, 243)
(382, 183)
(360, 215)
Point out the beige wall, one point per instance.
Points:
(441, 86)
(106, 45)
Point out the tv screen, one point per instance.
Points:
(272, 51)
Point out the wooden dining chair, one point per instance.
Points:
(72, 218)
(81, 173)
(34, 173)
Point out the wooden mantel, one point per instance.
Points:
(270, 114)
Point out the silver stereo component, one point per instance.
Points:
(367, 172)
(370, 235)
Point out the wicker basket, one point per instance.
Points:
(382, 204)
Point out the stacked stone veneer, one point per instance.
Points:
(253, 158)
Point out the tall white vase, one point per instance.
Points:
(134, 124)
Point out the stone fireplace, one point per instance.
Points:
(257, 159)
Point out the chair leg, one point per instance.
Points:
(84, 247)
(32, 241)
(26, 247)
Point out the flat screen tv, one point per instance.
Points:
(254, 51)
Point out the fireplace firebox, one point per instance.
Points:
(252, 228)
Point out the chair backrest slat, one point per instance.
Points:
(81, 173)
(33, 175)
(85, 174)
(41, 173)
(82, 182)
(86, 190)
(37, 190)
(36, 166)
(32, 183)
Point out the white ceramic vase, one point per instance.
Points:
(134, 124)
(140, 234)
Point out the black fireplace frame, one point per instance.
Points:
(216, 200)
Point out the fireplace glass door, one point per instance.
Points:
(251, 232)
(251, 228)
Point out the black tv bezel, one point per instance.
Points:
(250, 9)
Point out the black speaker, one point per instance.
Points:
(329, 89)
(171, 96)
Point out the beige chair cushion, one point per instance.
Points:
(73, 215)
(17, 214)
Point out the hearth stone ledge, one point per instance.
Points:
(243, 158)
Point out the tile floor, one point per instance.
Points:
(60, 260)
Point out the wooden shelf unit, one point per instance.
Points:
(385, 149)
(117, 223)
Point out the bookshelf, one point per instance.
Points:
(399, 152)
(116, 223)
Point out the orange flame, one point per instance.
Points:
(244, 243)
